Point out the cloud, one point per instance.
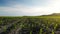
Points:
(24, 10)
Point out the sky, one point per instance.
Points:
(28, 7)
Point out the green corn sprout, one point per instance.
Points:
(55, 26)
(52, 31)
(40, 31)
(1, 22)
(4, 28)
(30, 32)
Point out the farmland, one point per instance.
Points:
(30, 25)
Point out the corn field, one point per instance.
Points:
(29, 25)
